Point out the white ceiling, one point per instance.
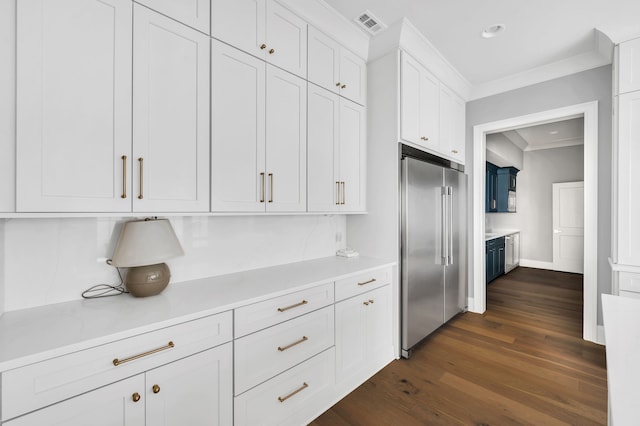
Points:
(549, 135)
(539, 34)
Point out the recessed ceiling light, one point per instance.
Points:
(493, 30)
(554, 132)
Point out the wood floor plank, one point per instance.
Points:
(522, 362)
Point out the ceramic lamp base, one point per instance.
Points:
(143, 281)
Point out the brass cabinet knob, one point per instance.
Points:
(271, 51)
(455, 151)
(135, 397)
(344, 86)
(424, 138)
(156, 388)
(371, 301)
(365, 303)
(338, 84)
(263, 46)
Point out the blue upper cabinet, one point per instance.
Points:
(491, 194)
(507, 189)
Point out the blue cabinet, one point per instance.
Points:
(494, 258)
(506, 189)
(491, 203)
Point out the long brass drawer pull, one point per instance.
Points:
(124, 177)
(117, 361)
(289, 346)
(271, 187)
(286, 308)
(339, 196)
(262, 193)
(140, 160)
(372, 280)
(300, 389)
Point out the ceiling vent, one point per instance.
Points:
(370, 23)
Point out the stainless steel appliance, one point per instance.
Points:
(433, 252)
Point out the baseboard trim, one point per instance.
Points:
(528, 263)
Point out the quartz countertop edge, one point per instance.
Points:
(32, 335)
(488, 236)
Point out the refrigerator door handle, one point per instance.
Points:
(450, 231)
(444, 240)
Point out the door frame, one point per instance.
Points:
(589, 111)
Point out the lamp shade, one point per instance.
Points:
(146, 242)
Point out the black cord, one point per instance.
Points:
(105, 290)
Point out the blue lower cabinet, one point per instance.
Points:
(494, 258)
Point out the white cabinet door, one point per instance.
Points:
(352, 156)
(73, 105)
(286, 39)
(629, 66)
(286, 141)
(323, 150)
(419, 105)
(363, 333)
(195, 13)
(452, 119)
(171, 110)
(353, 77)
(240, 23)
(628, 243)
(238, 182)
(262, 28)
(197, 390)
(336, 68)
(118, 404)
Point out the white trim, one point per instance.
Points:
(551, 145)
(538, 264)
(590, 112)
(600, 338)
(618, 267)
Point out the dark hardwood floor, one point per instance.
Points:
(522, 362)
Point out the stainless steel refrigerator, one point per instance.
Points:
(433, 245)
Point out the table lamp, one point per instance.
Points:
(143, 246)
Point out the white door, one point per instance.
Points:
(286, 39)
(73, 105)
(286, 141)
(323, 155)
(119, 404)
(351, 339)
(452, 119)
(352, 156)
(238, 181)
(241, 23)
(410, 100)
(324, 61)
(353, 77)
(171, 115)
(197, 390)
(429, 111)
(568, 227)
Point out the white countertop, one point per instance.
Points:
(36, 334)
(492, 235)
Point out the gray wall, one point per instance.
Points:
(534, 216)
(502, 152)
(586, 86)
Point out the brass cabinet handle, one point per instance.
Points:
(368, 302)
(124, 176)
(338, 84)
(155, 388)
(271, 187)
(290, 345)
(365, 303)
(371, 301)
(301, 388)
(424, 138)
(135, 397)
(286, 308)
(271, 51)
(338, 197)
(263, 46)
(344, 86)
(372, 280)
(455, 151)
(344, 193)
(117, 361)
(140, 160)
(263, 188)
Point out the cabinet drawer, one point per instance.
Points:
(248, 319)
(262, 355)
(27, 388)
(360, 283)
(291, 398)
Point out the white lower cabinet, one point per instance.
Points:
(195, 390)
(363, 335)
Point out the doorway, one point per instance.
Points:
(589, 111)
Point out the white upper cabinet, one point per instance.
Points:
(336, 143)
(335, 68)
(629, 66)
(419, 105)
(73, 105)
(264, 29)
(195, 13)
(171, 115)
(452, 125)
(259, 127)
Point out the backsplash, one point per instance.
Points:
(48, 261)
